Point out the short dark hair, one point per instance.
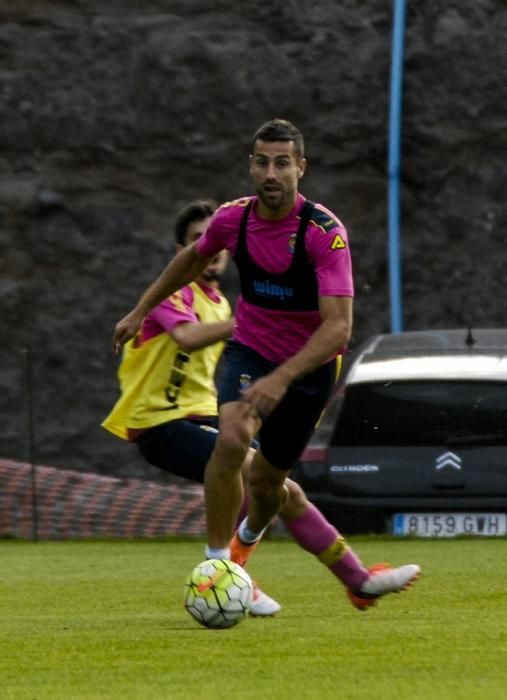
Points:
(194, 211)
(281, 130)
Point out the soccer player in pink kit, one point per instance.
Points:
(293, 322)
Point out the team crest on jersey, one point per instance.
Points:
(292, 243)
(244, 381)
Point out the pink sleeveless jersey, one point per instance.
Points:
(277, 335)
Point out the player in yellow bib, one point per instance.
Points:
(168, 407)
(164, 376)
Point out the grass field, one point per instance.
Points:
(105, 620)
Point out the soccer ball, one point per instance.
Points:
(218, 593)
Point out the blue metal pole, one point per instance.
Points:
(395, 112)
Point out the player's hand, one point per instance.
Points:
(264, 395)
(126, 329)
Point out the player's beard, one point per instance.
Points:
(277, 200)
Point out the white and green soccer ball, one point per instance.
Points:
(218, 593)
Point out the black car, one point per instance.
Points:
(414, 441)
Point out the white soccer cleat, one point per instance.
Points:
(262, 604)
(382, 580)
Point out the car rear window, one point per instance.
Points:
(423, 413)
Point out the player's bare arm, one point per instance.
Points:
(181, 270)
(195, 336)
(332, 335)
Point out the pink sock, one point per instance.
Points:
(315, 534)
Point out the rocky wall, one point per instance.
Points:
(114, 114)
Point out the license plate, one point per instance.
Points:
(450, 524)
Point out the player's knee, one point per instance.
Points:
(233, 444)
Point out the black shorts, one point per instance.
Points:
(182, 447)
(285, 432)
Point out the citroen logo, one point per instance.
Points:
(448, 459)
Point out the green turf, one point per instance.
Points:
(105, 620)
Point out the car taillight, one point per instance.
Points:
(314, 454)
